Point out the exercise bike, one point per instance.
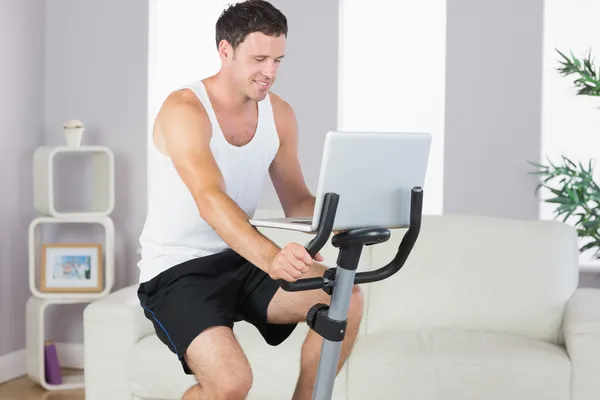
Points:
(330, 321)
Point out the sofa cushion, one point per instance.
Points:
(157, 374)
(481, 273)
(453, 365)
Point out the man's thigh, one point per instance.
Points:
(291, 307)
(217, 359)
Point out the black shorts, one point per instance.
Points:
(215, 290)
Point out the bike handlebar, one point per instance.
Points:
(405, 247)
(324, 231)
(330, 204)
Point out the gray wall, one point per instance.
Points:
(493, 107)
(313, 43)
(21, 119)
(96, 71)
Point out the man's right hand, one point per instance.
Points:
(292, 262)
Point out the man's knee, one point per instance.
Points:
(219, 364)
(233, 383)
(236, 387)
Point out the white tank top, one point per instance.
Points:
(174, 232)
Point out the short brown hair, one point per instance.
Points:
(239, 20)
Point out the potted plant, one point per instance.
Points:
(571, 184)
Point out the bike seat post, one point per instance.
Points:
(331, 322)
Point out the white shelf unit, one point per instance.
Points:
(108, 257)
(99, 203)
(103, 187)
(35, 339)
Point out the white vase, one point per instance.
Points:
(73, 136)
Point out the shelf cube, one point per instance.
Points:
(107, 275)
(34, 341)
(94, 184)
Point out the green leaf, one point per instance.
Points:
(589, 246)
(575, 60)
(558, 200)
(571, 163)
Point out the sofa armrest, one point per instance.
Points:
(111, 326)
(582, 340)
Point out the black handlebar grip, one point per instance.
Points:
(330, 204)
(329, 209)
(302, 284)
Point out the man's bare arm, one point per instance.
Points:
(286, 174)
(285, 170)
(185, 131)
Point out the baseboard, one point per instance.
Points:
(13, 365)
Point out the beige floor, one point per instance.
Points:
(25, 389)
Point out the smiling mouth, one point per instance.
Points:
(262, 84)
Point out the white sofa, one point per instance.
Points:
(485, 308)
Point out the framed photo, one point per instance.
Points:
(69, 268)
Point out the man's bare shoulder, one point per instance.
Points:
(181, 102)
(181, 115)
(285, 118)
(281, 108)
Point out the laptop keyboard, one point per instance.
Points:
(303, 221)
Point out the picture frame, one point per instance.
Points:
(71, 268)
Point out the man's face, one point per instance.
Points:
(254, 67)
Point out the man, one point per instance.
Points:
(203, 265)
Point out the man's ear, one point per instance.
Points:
(225, 51)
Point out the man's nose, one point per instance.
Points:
(270, 69)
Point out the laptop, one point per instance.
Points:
(373, 173)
